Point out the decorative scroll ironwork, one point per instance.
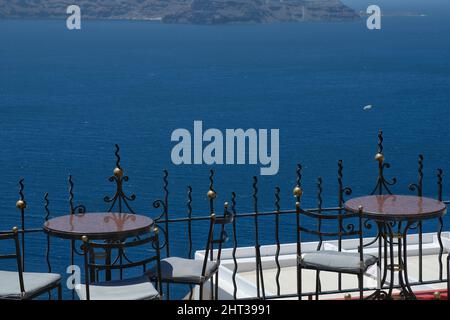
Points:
(164, 222)
(120, 198)
(47, 251)
(342, 192)
(277, 238)
(163, 217)
(440, 174)
(235, 244)
(189, 206)
(189, 215)
(260, 290)
(21, 204)
(418, 188)
(79, 209)
(47, 216)
(441, 246)
(319, 210)
(212, 195)
(382, 182)
(166, 210)
(319, 232)
(298, 191)
(299, 175)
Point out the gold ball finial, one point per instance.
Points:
(297, 205)
(118, 172)
(348, 296)
(213, 215)
(21, 204)
(156, 230)
(379, 157)
(298, 192)
(15, 230)
(212, 194)
(225, 205)
(360, 208)
(437, 295)
(84, 238)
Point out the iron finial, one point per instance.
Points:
(20, 204)
(211, 194)
(379, 157)
(118, 172)
(298, 192)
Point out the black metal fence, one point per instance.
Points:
(166, 220)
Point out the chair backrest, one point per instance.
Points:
(14, 235)
(448, 277)
(226, 219)
(91, 266)
(343, 227)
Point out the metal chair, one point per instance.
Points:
(197, 272)
(448, 277)
(355, 263)
(19, 285)
(137, 288)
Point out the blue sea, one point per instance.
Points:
(66, 97)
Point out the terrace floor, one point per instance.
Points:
(243, 283)
(329, 280)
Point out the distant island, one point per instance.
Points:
(396, 14)
(204, 12)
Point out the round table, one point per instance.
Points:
(98, 226)
(106, 226)
(395, 215)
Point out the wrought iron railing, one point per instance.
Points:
(165, 220)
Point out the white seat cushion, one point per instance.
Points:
(139, 288)
(33, 283)
(185, 270)
(328, 260)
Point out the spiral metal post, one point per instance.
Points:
(21, 204)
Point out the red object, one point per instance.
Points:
(387, 207)
(420, 295)
(429, 295)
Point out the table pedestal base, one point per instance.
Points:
(393, 234)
